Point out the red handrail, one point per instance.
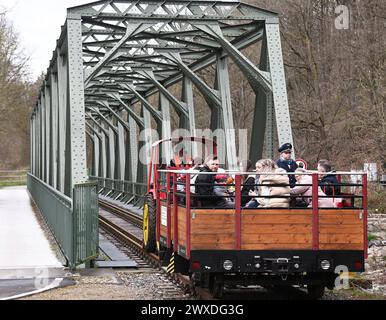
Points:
(175, 207)
(315, 212)
(238, 211)
(188, 215)
(158, 206)
(365, 217)
(169, 211)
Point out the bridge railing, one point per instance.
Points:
(73, 222)
(13, 178)
(125, 191)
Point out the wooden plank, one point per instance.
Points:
(275, 228)
(340, 212)
(214, 238)
(215, 219)
(341, 246)
(213, 246)
(277, 219)
(277, 212)
(341, 238)
(270, 246)
(213, 212)
(340, 220)
(341, 229)
(204, 229)
(281, 238)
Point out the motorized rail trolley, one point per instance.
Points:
(269, 247)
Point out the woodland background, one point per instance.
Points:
(335, 78)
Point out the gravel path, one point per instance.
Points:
(122, 286)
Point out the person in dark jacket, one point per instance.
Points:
(248, 182)
(285, 162)
(205, 184)
(327, 180)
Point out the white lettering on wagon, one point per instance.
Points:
(164, 216)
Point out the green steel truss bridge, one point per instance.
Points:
(113, 78)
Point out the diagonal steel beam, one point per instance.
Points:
(154, 112)
(132, 30)
(105, 120)
(105, 104)
(90, 117)
(254, 75)
(211, 95)
(94, 131)
(137, 119)
(180, 106)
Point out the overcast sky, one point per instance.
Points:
(38, 24)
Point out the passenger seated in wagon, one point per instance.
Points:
(327, 179)
(205, 183)
(221, 190)
(303, 191)
(274, 189)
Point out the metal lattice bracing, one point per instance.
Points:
(116, 55)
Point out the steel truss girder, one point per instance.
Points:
(94, 131)
(155, 113)
(209, 94)
(118, 117)
(131, 31)
(255, 76)
(176, 10)
(180, 106)
(90, 117)
(207, 61)
(107, 48)
(131, 113)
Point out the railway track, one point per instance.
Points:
(126, 229)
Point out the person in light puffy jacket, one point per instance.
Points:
(276, 188)
(303, 190)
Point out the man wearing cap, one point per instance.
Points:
(285, 162)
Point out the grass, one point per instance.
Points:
(13, 179)
(12, 184)
(372, 237)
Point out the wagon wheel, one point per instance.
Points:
(149, 224)
(315, 292)
(216, 286)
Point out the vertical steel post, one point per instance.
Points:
(76, 169)
(54, 130)
(227, 112)
(120, 153)
(32, 145)
(62, 114)
(111, 153)
(48, 137)
(144, 147)
(43, 137)
(166, 130)
(262, 129)
(96, 155)
(190, 123)
(276, 65)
